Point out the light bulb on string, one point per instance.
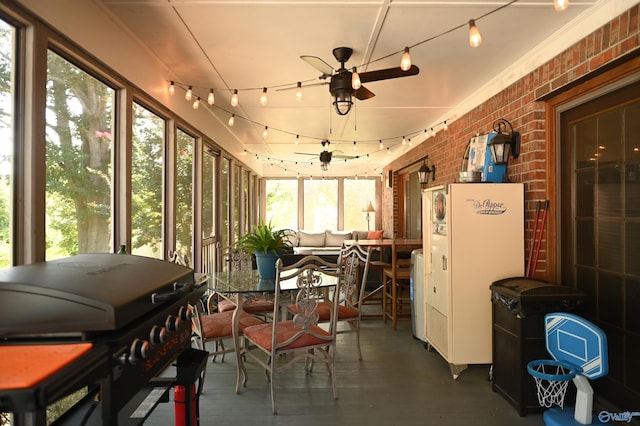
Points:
(388, 151)
(404, 141)
(263, 97)
(299, 92)
(234, 98)
(433, 133)
(475, 39)
(188, 94)
(355, 147)
(560, 5)
(355, 79)
(405, 62)
(232, 120)
(297, 139)
(380, 145)
(172, 88)
(211, 99)
(196, 103)
(410, 143)
(444, 126)
(265, 133)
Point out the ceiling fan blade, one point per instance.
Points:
(306, 153)
(346, 157)
(388, 73)
(319, 64)
(363, 93)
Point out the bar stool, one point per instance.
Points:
(396, 298)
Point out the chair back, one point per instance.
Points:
(232, 258)
(354, 258)
(311, 279)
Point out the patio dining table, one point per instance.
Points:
(234, 285)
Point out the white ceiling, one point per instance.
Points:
(251, 44)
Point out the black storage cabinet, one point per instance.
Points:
(519, 307)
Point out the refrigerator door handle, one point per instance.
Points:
(444, 262)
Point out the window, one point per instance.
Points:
(208, 196)
(147, 177)
(184, 195)
(282, 203)
(224, 201)
(357, 195)
(79, 142)
(237, 198)
(7, 43)
(321, 204)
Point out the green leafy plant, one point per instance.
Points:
(264, 239)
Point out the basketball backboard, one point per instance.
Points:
(574, 340)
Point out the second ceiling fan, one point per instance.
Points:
(341, 86)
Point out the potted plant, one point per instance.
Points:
(267, 244)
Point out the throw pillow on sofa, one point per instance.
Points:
(308, 239)
(375, 235)
(336, 238)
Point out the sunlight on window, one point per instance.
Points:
(79, 143)
(147, 176)
(7, 41)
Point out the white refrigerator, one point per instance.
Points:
(473, 235)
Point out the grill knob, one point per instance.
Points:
(172, 323)
(157, 335)
(184, 314)
(139, 350)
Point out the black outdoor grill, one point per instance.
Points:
(128, 315)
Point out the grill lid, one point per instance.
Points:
(87, 292)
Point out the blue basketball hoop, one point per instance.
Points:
(552, 378)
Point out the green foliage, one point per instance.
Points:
(265, 239)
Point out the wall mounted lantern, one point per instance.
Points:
(504, 144)
(424, 172)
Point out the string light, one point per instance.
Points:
(404, 141)
(234, 98)
(299, 92)
(444, 126)
(196, 103)
(188, 94)
(232, 120)
(297, 139)
(172, 88)
(405, 62)
(355, 79)
(388, 151)
(380, 144)
(475, 39)
(211, 99)
(355, 147)
(560, 5)
(263, 97)
(265, 133)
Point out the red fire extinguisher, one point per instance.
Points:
(180, 405)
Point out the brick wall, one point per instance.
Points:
(521, 104)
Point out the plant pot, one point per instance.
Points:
(266, 263)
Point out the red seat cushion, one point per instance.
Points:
(261, 335)
(252, 306)
(217, 326)
(324, 311)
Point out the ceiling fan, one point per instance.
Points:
(325, 156)
(341, 85)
